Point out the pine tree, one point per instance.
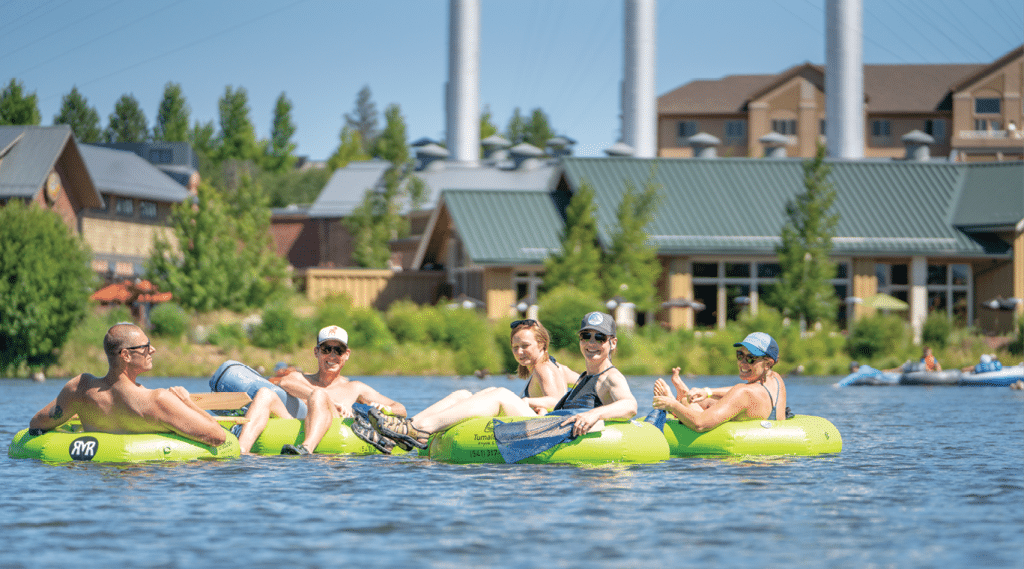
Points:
(378, 218)
(17, 108)
(515, 132)
(279, 155)
(83, 119)
(487, 127)
(173, 116)
(364, 119)
(538, 130)
(631, 268)
(804, 290)
(579, 262)
(237, 137)
(127, 123)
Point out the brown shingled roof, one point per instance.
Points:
(726, 95)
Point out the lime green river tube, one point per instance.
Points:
(69, 443)
(620, 441)
(802, 435)
(340, 439)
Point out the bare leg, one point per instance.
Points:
(266, 404)
(448, 400)
(488, 403)
(320, 412)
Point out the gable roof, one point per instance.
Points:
(33, 152)
(988, 69)
(346, 187)
(993, 198)
(123, 173)
(737, 205)
(887, 88)
(505, 227)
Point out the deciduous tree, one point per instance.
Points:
(83, 119)
(579, 262)
(45, 282)
(631, 267)
(237, 137)
(350, 149)
(279, 156)
(364, 118)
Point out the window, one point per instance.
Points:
(686, 130)
(147, 210)
(125, 207)
(985, 124)
(821, 127)
(936, 128)
(986, 106)
(160, 155)
(735, 130)
(881, 129)
(784, 126)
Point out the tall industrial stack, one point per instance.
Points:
(462, 97)
(844, 79)
(639, 99)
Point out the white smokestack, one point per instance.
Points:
(462, 105)
(639, 100)
(844, 78)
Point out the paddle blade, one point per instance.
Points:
(522, 439)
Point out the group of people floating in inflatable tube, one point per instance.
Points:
(118, 403)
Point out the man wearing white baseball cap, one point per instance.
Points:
(327, 393)
(758, 397)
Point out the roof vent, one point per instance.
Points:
(561, 146)
(620, 149)
(430, 157)
(704, 145)
(495, 147)
(774, 145)
(525, 156)
(917, 144)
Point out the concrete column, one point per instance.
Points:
(918, 295)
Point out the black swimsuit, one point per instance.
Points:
(584, 395)
(774, 401)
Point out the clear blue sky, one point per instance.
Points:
(564, 56)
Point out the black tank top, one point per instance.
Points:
(584, 395)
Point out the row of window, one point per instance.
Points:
(125, 207)
(736, 130)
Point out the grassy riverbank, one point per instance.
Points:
(482, 348)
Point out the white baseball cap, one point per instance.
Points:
(332, 333)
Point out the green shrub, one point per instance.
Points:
(873, 336)
(408, 322)
(502, 336)
(333, 311)
(1016, 346)
(168, 320)
(464, 328)
(562, 309)
(227, 336)
(366, 329)
(280, 329)
(936, 330)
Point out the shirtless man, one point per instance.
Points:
(116, 403)
(327, 394)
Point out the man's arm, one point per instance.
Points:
(170, 410)
(294, 383)
(54, 414)
(370, 396)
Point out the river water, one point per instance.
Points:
(928, 477)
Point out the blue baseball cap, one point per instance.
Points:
(760, 344)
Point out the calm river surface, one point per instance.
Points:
(928, 477)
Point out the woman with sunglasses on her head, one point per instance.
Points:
(760, 396)
(546, 383)
(601, 391)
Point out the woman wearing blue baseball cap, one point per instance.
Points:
(759, 396)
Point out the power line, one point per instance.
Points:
(73, 24)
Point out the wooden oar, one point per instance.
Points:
(219, 400)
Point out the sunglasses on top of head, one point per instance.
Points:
(527, 322)
(745, 357)
(332, 349)
(586, 336)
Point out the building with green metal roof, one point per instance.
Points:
(939, 235)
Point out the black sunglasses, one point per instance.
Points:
(527, 322)
(147, 346)
(333, 349)
(585, 337)
(745, 357)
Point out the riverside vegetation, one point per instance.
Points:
(444, 340)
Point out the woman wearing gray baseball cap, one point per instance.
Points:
(759, 396)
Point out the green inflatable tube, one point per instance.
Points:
(804, 435)
(69, 443)
(621, 441)
(340, 439)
